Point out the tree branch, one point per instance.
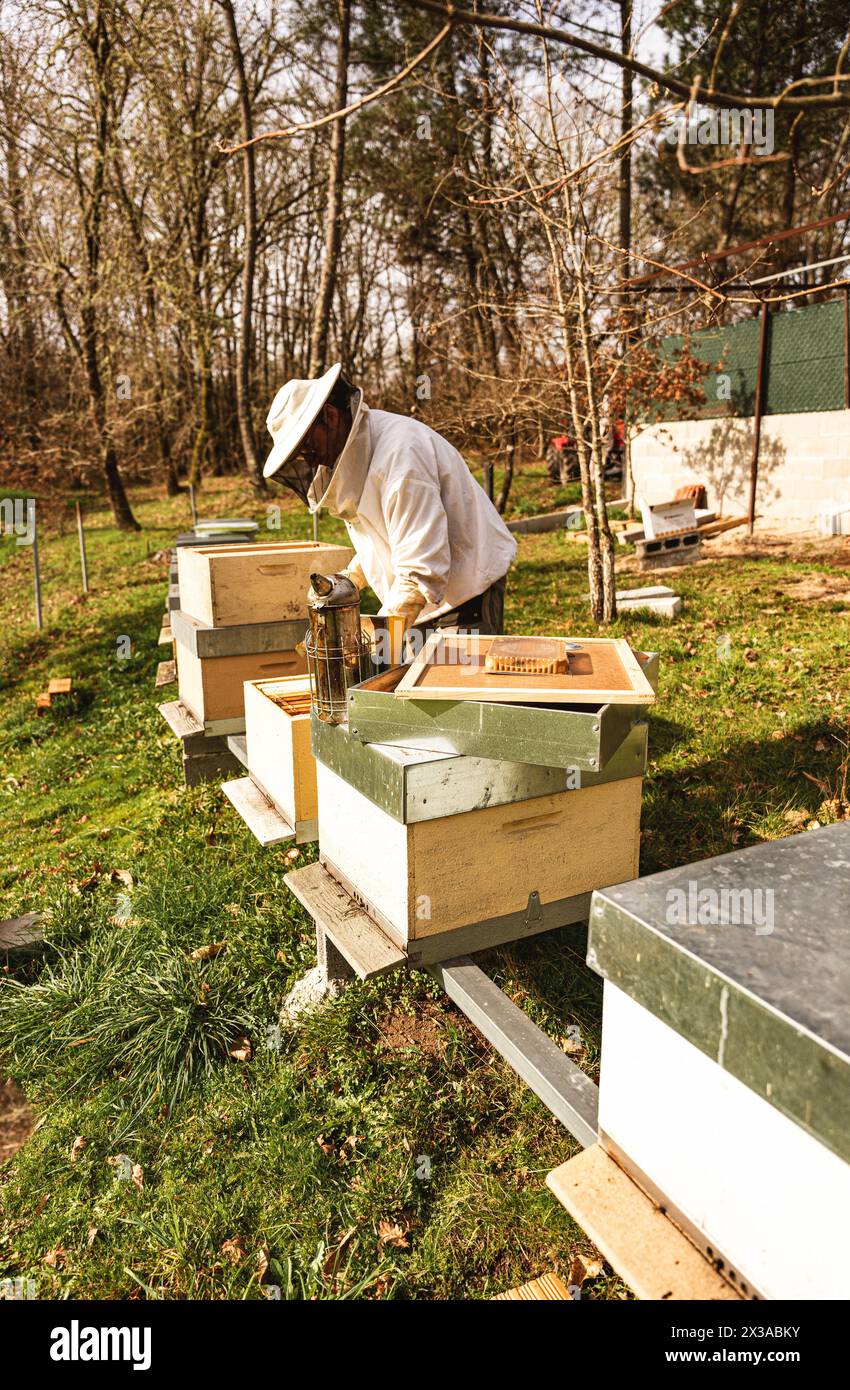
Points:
(349, 110)
(735, 100)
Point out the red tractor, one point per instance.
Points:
(562, 456)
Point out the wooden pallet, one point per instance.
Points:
(649, 1253)
(547, 1288)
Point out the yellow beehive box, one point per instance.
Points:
(482, 865)
(256, 583)
(212, 688)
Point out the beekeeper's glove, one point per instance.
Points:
(405, 602)
(354, 572)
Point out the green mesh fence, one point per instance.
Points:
(804, 369)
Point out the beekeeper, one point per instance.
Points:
(427, 538)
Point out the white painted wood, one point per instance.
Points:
(261, 816)
(278, 747)
(767, 1196)
(367, 846)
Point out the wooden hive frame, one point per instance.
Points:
(433, 675)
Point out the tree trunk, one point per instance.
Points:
(92, 196)
(333, 212)
(510, 458)
(249, 257)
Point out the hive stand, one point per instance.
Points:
(649, 1252)
(682, 548)
(205, 756)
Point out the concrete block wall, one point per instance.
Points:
(804, 462)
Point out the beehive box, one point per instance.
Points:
(255, 583)
(279, 758)
(517, 863)
(413, 784)
(725, 1079)
(550, 735)
(213, 688)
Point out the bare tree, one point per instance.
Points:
(249, 256)
(333, 209)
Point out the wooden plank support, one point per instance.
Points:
(258, 811)
(204, 757)
(562, 1086)
(649, 1253)
(716, 528)
(180, 720)
(165, 638)
(357, 938)
(548, 1288)
(60, 685)
(20, 933)
(166, 674)
(238, 745)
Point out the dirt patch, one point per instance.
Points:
(420, 1032)
(17, 1120)
(791, 544)
(816, 588)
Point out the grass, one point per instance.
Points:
(382, 1150)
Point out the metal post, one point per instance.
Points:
(758, 409)
(36, 576)
(315, 526)
(192, 505)
(488, 480)
(82, 537)
(847, 347)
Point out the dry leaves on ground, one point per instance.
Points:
(207, 952)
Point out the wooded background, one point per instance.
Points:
(460, 244)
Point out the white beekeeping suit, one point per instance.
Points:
(427, 537)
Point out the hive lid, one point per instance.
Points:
(747, 956)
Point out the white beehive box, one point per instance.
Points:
(835, 520)
(437, 875)
(765, 1197)
(277, 738)
(664, 518)
(725, 1077)
(254, 583)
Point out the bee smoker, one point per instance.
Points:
(338, 652)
